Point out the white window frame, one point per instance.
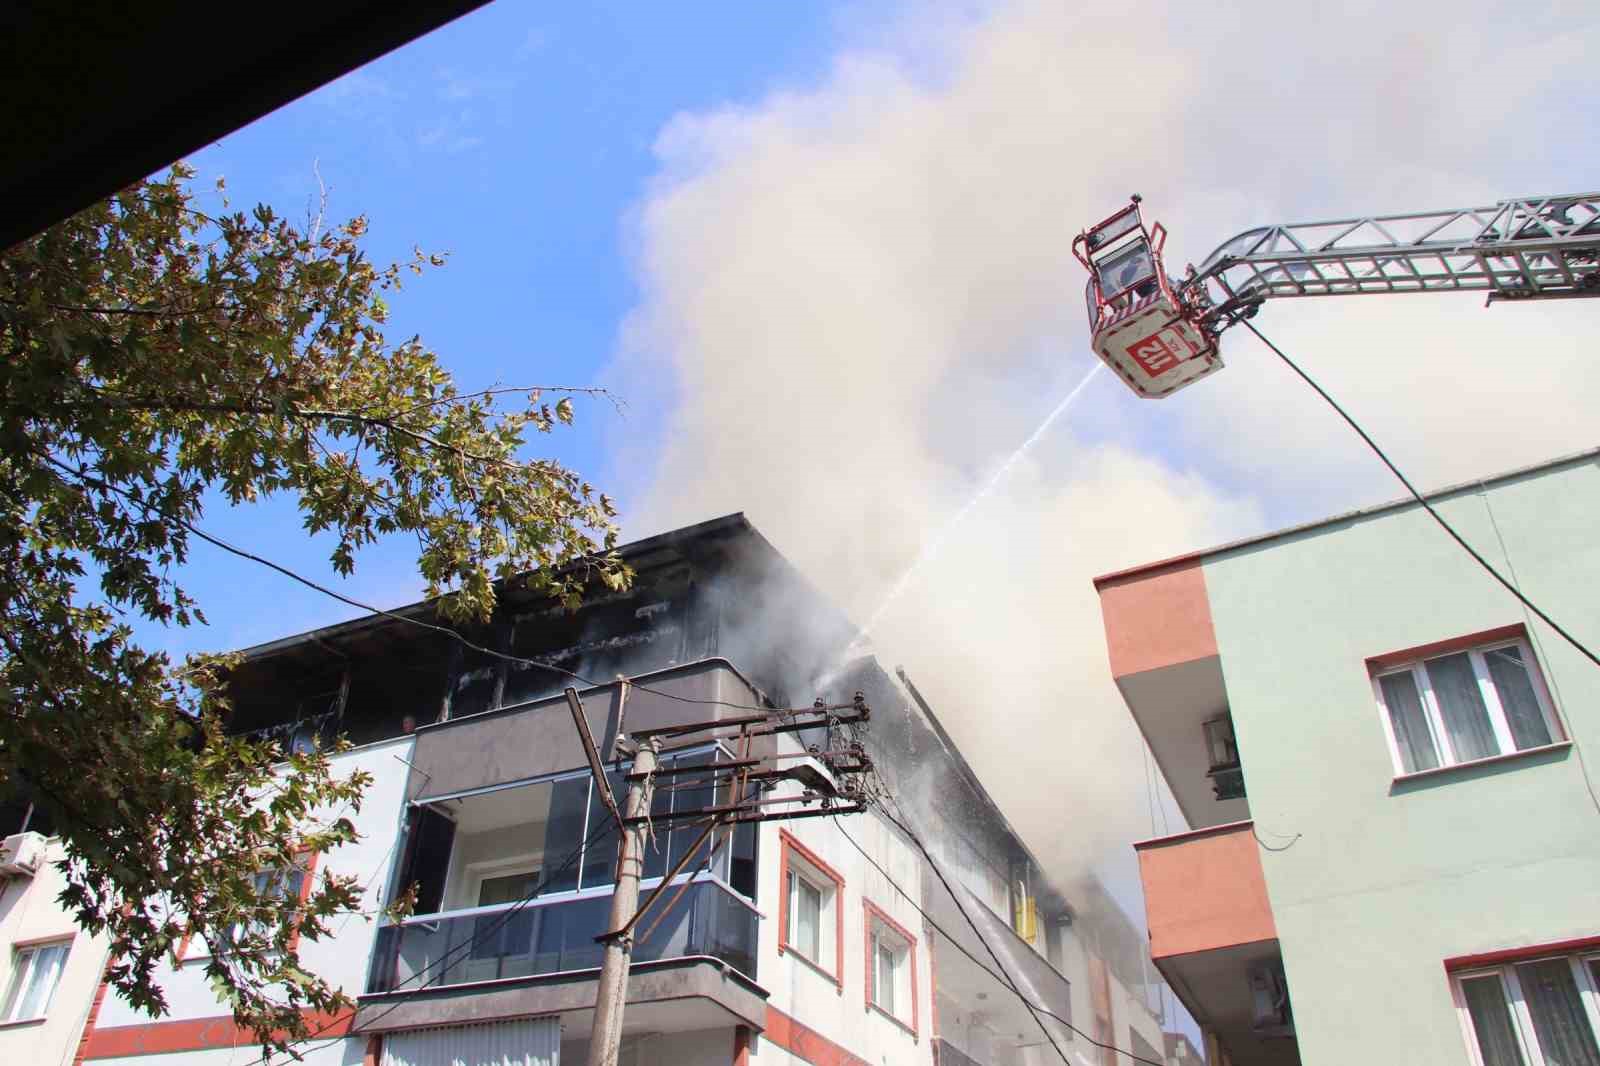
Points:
(222, 942)
(898, 948)
(885, 935)
(24, 962)
(1521, 1017)
(884, 949)
(824, 888)
(801, 864)
(1432, 715)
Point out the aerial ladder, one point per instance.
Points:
(1160, 333)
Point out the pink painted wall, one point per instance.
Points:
(1204, 890)
(1156, 616)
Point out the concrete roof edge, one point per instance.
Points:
(1344, 516)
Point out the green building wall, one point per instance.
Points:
(1378, 882)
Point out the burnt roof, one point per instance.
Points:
(663, 548)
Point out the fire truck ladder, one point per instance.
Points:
(1536, 248)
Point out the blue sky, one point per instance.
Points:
(516, 139)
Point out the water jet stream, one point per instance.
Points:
(931, 550)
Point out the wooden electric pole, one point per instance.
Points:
(605, 1036)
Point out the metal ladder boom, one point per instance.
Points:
(1523, 249)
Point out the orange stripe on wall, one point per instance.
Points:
(806, 1043)
(94, 1014)
(194, 1034)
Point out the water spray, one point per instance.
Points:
(932, 549)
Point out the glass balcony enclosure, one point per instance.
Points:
(516, 881)
(556, 934)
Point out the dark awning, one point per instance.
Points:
(98, 95)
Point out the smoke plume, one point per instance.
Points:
(857, 298)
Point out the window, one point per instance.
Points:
(891, 968)
(35, 973)
(885, 974)
(1539, 1012)
(811, 923)
(805, 905)
(1467, 704)
(277, 883)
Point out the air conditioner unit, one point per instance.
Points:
(22, 854)
(1269, 1000)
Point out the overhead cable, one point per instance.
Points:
(955, 897)
(1489, 567)
(217, 542)
(1002, 977)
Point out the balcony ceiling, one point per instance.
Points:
(1170, 704)
(1214, 986)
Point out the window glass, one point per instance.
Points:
(507, 889)
(1515, 689)
(600, 855)
(1125, 269)
(806, 901)
(1559, 1021)
(743, 860)
(33, 981)
(507, 934)
(691, 792)
(887, 974)
(271, 884)
(1491, 1021)
(564, 833)
(1461, 706)
(1410, 725)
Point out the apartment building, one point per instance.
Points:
(1384, 759)
(50, 969)
(812, 940)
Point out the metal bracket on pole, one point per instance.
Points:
(619, 743)
(601, 786)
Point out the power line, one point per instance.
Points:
(1002, 976)
(1538, 642)
(1510, 586)
(218, 542)
(957, 945)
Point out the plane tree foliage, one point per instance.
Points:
(159, 359)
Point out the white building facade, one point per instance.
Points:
(50, 970)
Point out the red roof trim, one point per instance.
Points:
(1530, 951)
(1377, 664)
(194, 1034)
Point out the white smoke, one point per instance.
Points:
(858, 299)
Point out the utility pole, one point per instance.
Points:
(605, 1035)
(828, 776)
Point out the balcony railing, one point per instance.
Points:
(553, 935)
